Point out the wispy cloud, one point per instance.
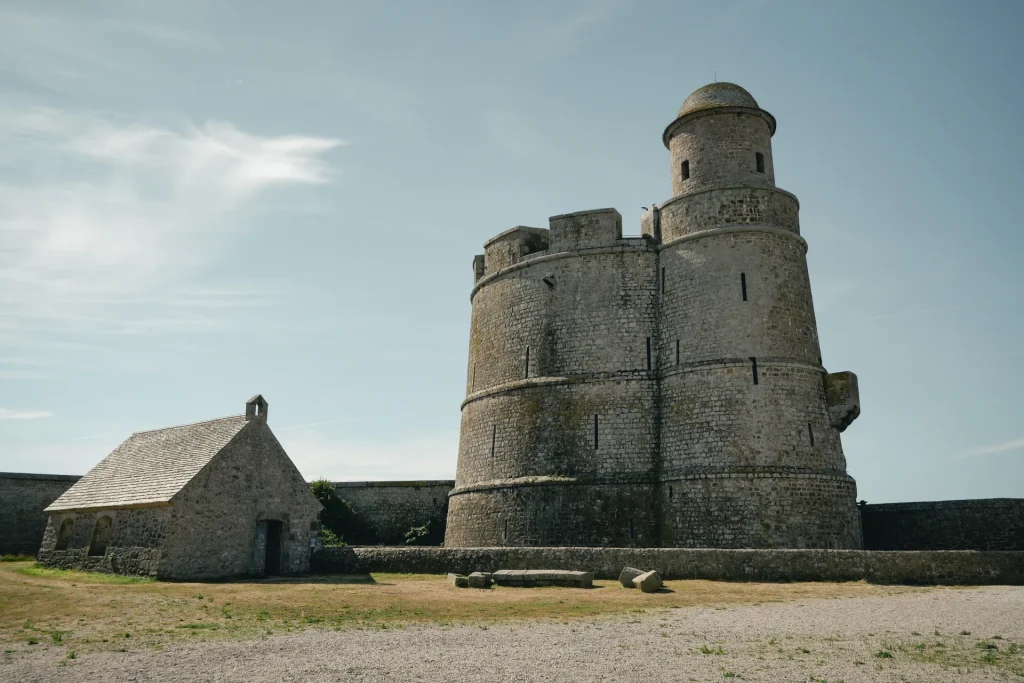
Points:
(8, 414)
(1005, 447)
(102, 218)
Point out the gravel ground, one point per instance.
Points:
(815, 640)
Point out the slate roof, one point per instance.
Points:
(150, 467)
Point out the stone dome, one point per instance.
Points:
(717, 95)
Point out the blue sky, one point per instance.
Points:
(204, 200)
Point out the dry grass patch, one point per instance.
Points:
(100, 611)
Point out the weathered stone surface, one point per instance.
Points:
(648, 582)
(627, 575)
(890, 567)
(663, 391)
(458, 580)
(479, 580)
(22, 520)
(543, 577)
(387, 509)
(843, 397)
(989, 524)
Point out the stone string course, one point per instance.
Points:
(896, 567)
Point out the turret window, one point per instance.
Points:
(686, 169)
(760, 163)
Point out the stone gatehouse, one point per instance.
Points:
(207, 500)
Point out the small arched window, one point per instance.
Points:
(760, 163)
(685, 169)
(100, 536)
(64, 535)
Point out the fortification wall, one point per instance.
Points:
(985, 524)
(737, 295)
(387, 509)
(559, 432)
(897, 567)
(763, 509)
(23, 497)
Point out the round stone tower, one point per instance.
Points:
(659, 390)
(559, 427)
(749, 454)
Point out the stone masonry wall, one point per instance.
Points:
(722, 207)
(213, 528)
(986, 524)
(560, 387)
(136, 538)
(23, 497)
(387, 509)
(721, 149)
(897, 567)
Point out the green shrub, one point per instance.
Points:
(423, 535)
(338, 518)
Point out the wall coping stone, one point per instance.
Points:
(396, 484)
(40, 477)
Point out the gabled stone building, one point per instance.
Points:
(206, 500)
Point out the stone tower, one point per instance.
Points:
(665, 390)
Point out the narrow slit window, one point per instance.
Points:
(677, 352)
(760, 163)
(686, 169)
(632, 529)
(595, 433)
(526, 368)
(670, 492)
(753, 368)
(810, 432)
(648, 353)
(494, 438)
(472, 378)
(743, 285)
(662, 279)
(504, 535)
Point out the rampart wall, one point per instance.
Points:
(387, 509)
(23, 497)
(897, 567)
(985, 524)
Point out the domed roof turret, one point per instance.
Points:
(717, 95)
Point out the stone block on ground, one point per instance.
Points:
(458, 580)
(627, 575)
(479, 580)
(543, 577)
(649, 582)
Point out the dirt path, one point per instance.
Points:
(941, 635)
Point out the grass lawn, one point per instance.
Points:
(82, 611)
